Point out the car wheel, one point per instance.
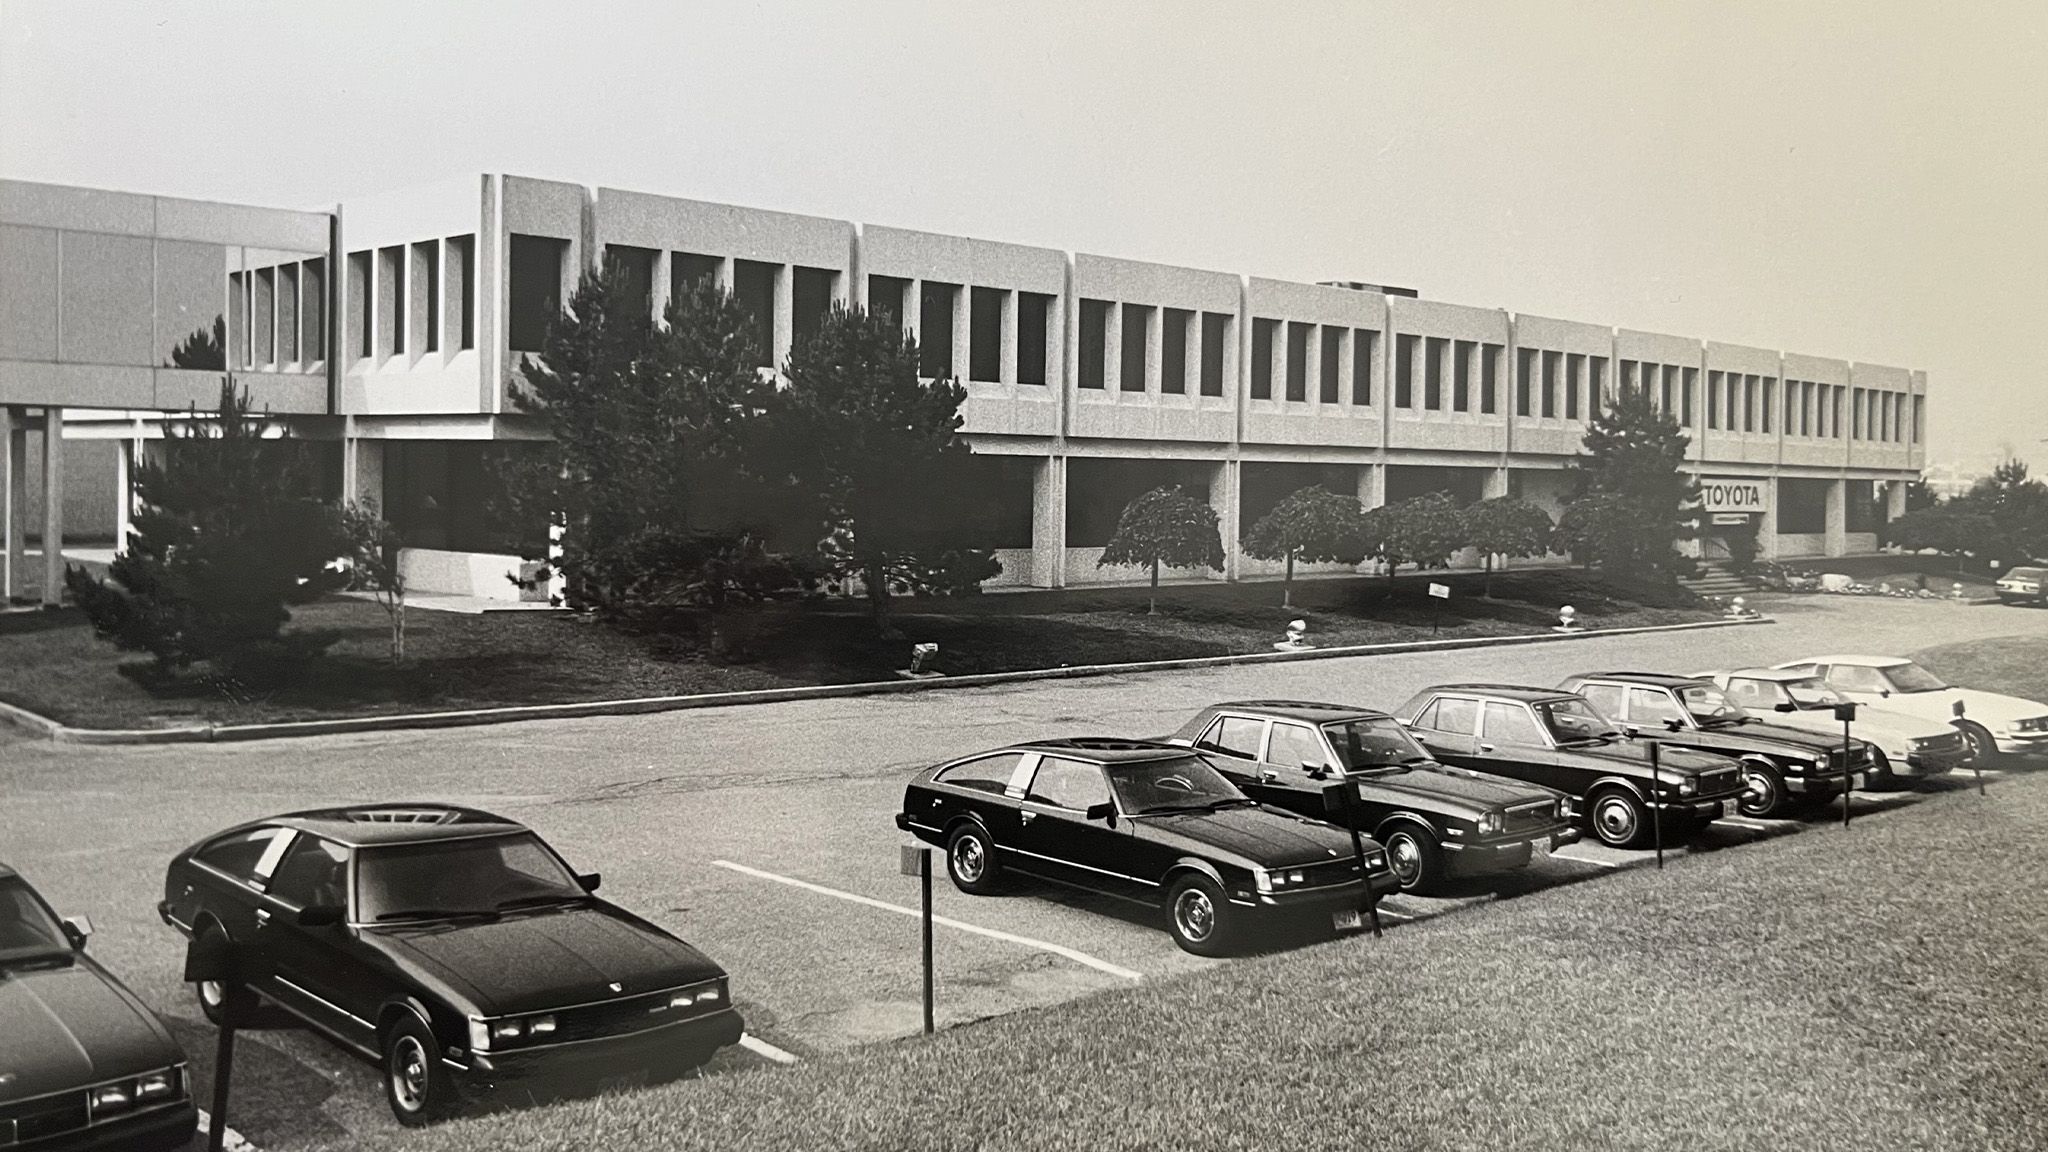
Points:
(1618, 818)
(1198, 917)
(1983, 749)
(415, 1084)
(971, 860)
(1414, 856)
(1880, 776)
(215, 996)
(1766, 795)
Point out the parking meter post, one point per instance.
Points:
(1846, 713)
(1340, 798)
(925, 883)
(1656, 805)
(210, 959)
(223, 1069)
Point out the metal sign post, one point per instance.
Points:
(210, 958)
(1656, 805)
(1438, 593)
(916, 860)
(1846, 712)
(1337, 798)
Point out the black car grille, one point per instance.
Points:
(44, 1116)
(1529, 817)
(627, 1015)
(1859, 758)
(1720, 780)
(1947, 744)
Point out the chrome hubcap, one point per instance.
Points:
(409, 1073)
(1406, 858)
(212, 993)
(1762, 795)
(1615, 818)
(1194, 913)
(967, 859)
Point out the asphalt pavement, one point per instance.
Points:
(764, 834)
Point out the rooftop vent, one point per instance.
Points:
(404, 815)
(1362, 286)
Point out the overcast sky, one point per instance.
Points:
(1852, 179)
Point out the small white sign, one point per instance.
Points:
(1440, 591)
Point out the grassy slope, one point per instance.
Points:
(1878, 988)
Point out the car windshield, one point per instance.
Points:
(1912, 678)
(1575, 721)
(28, 933)
(1710, 706)
(1368, 745)
(2027, 574)
(442, 879)
(1177, 784)
(1812, 693)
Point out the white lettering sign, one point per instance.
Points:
(1440, 591)
(1723, 494)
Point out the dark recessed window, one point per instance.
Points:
(810, 301)
(1262, 358)
(1365, 347)
(1173, 350)
(1215, 338)
(1094, 343)
(1034, 317)
(753, 289)
(1131, 373)
(1404, 371)
(936, 301)
(985, 334)
(535, 282)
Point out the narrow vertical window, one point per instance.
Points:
(1034, 317)
(985, 334)
(753, 289)
(1462, 353)
(1094, 343)
(1262, 358)
(1433, 352)
(1297, 361)
(1525, 385)
(461, 290)
(1550, 365)
(534, 281)
(1173, 350)
(1404, 371)
(1332, 366)
(1596, 388)
(1215, 340)
(1574, 369)
(313, 310)
(810, 301)
(1365, 346)
(1137, 335)
(1489, 378)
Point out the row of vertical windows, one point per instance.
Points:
(1880, 415)
(1739, 402)
(277, 316)
(1558, 384)
(1178, 330)
(419, 298)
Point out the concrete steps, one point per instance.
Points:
(1715, 580)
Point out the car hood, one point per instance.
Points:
(1436, 788)
(72, 1026)
(1258, 837)
(1636, 753)
(551, 959)
(1987, 708)
(1887, 729)
(1761, 734)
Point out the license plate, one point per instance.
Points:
(1539, 847)
(1348, 919)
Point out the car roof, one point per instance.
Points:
(367, 825)
(1779, 674)
(1103, 749)
(1667, 679)
(2027, 568)
(1522, 692)
(1309, 710)
(1867, 661)
(7, 873)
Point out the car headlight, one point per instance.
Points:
(165, 1085)
(1263, 880)
(1688, 786)
(1374, 861)
(479, 1035)
(1802, 765)
(113, 1097)
(2031, 724)
(1489, 823)
(541, 1026)
(1564, 808)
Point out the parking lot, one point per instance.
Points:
(764, 834)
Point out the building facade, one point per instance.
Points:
(392, 330)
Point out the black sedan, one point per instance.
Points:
(83, 1064)
(1142, 821)
(1436, 821)
(1556, 739)
(1783, 766)
(453, 947)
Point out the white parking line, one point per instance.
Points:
(760, 1047)
(1056, 949)
(1745, 822)
(1397, 914)
(1586, 860)
(231, 1140)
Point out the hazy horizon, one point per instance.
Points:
(1863, 183)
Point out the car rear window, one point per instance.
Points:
(983, 773)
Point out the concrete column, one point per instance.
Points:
(1113, 351)
(1495, 484)
(1191, 355)
(1223, 488)
(963, 333)
(1155, 352)
(1049, 523)
(124, 491)
(1372, 493)
(1838, 518)
(53, 507)
(913, 310)
(785, 313)
(1767, 527)
(1894, 499)
(661, 285)
(1007, 372)
(13, 501)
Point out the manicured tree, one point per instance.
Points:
(1164, 526)
(876, 451)
(373, 555)
(1506, 526)
(1313, 525)
(1422, 530)
(1952, 528)
(229, 533)
(1634, 453)
(2017, 507)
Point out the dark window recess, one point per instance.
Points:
(1525, 368)
(1433, 372)
(985, 334)
(1297, 360)
(427, 262)
(1489, 378)
(687, 270)
(535, 280)
(1462, 353)
(1574, 370)
(1596, 388)
(1262, 358)
(1001, 487)
(359, 303)
(936, 300)
(391, 277)
(1094, 343)
(1330, 386)
(1404, 371)
(1365, 347)
(1098, 489)
(1173, 351)
(1131, 365)
(753, 289)
(462, 288)
(810, 301)
(1803, 507)
(313, 310)
(885, 298)
(634, 268)
(1215, 338)
(1034, 319)
(1550, 366)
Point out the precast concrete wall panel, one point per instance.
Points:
(1336, 321)
(1116, 412)
(1417, 426)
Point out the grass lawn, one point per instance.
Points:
(50, 662)
(1877, 988)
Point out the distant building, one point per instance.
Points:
(393, 328)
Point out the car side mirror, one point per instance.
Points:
(1673, 724)
(78, 928)
(1267, 776)
(1784, 706)
(1632, 730)
(1103, 811)
(320, 915)
(1315, 771)
(589, 880)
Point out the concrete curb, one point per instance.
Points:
(62, 733)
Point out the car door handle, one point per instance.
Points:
(262, 917)
(1028, 817)
(1486, 747)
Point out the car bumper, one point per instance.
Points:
(1929, 764)
(1699, 807)
(1326, 898)
(650, 1054)
(1508, 852)
(2023, 743)
(161, 1131)
(1818, 784)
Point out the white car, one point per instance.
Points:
(1990, 722)
(1907, 746)
(2024, 586)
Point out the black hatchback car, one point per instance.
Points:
(1144, 821)
(1556, 739)
(453, 947)
(83, 1063)
(1782, 765)
(1436, 821)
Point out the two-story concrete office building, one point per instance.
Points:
(393, 328)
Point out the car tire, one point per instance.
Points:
(1983, 749)
(1418, 851)
(1767, 795)
(1880, 777)
(217, 1001)
(1618, 818)
(1199, 917)
(971, 860)
(416, 1085)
